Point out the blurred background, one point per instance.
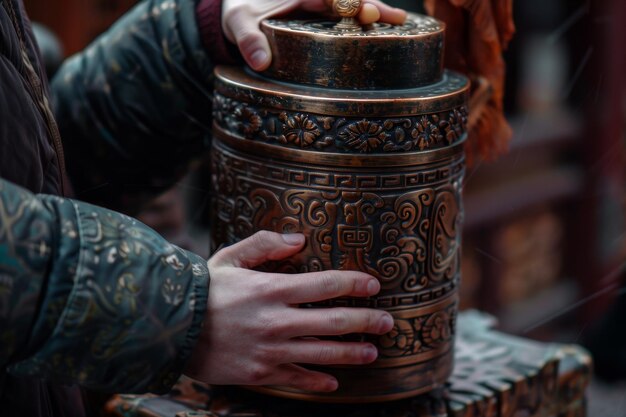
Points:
(544, 244)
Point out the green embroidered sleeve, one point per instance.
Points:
(134, 108)
(93, 297)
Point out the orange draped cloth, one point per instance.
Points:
(477, 33)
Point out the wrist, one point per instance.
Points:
(209, 20)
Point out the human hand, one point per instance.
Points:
(254, 333)
(241, 20)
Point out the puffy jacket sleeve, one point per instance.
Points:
(93, 297)
(135, 106)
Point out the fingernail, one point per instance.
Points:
(386, 324)
(373, 287)
(332, 384)
(258, 58)
(370, 353)
(294, 239)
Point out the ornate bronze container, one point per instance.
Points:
(354, 137)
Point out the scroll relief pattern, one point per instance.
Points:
(400, 225)
(408, 239)
(347, 7)
(340, 134)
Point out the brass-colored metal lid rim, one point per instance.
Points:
(236, 83)
(336, 159)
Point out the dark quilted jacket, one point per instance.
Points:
(90, 297)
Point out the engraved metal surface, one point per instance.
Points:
(402, 227)
(356, 142)
(345, 55)
(347, 8)
(415, 25)
(382, 223)
(302, 130)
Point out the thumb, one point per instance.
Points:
(242, 28)
(261, 247)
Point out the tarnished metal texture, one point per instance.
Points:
(373, 179)
(379, 56)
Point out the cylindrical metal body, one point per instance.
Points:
(371, 175)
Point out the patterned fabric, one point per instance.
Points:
(89, 296)
(27, 151)
(209, 19)
(93, 297)
(135, 107)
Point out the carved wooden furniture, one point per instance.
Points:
(495, 375)
(354, 137)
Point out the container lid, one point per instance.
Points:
(345, 55)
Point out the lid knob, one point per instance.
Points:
(347, 10)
